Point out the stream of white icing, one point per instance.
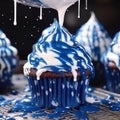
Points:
(86, 2)
(61, 7)
(40, 12)
(15, 12)
(78, 8)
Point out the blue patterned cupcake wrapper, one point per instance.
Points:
(112, 80)
(7, 67)
(6, 80)
(60, 92)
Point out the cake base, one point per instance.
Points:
(58, 89)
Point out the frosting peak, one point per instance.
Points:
(56, 31)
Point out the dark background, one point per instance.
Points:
(29, 26)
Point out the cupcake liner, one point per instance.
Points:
(57, 92)
(7, 67)
(113, 80)
(6, 80)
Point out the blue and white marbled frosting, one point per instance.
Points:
(8, 58)
(55, 51)
(93, 37)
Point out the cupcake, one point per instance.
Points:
(111, 60)
(8, 62)
(58, 70)
(95, 40)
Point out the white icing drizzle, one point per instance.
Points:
(60, 6)
(78, 8)
(86, 4)
(15, 12)
(61, 14)
(41, 12)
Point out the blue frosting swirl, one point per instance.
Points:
(56, 51)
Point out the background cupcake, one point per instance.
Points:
(95, 40)
(111, 60)
(8, 62)
(58, 70)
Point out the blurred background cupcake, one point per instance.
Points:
(8, 62)
(58, 70)
(111, 59)
(95, 39)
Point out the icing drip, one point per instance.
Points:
(15, 12)
(86, 6)
(78, 8)
(61, 7)
(41, 12)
